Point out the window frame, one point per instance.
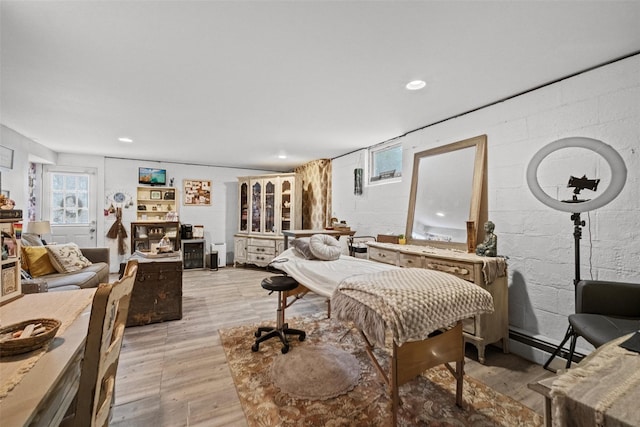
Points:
(383, 177)
(76, 193)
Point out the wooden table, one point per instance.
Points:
(46, 390)
(308, 233)
(604, 386)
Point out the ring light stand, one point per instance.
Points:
(575, 206)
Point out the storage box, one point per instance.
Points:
(157, 292)
(35, 286)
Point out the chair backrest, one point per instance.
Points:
(608, 298)
(102, 351)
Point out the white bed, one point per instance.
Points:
(323, 277)
(378, 297)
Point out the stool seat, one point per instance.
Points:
(279, 283)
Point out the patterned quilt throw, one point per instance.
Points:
(410, 302)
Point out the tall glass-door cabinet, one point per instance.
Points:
(268, 205)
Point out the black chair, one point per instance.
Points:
(604, 311)
(278, 284)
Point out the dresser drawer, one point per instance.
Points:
(463, 270)
(261, 242)
(259, 258)
(383, 255)
(469, 325)
(410, 260)
(263, 250)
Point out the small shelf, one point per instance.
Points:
(10, 283)
(145, 235)
(154, 203)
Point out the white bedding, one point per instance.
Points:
(323, 277)
(412, 302)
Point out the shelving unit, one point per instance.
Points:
(145, 235)
(193, 253)
(154, 203)
(268, 205)
(10, 285)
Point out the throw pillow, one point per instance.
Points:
(301, 244)
(37, 261)
(31, 240)
(325, 247)
(67, 258)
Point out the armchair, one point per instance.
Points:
(604, 311)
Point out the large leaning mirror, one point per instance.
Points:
(448, 191)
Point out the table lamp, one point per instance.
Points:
(39, 228)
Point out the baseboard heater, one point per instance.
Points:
(543, 345)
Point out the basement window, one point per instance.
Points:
(385, 163)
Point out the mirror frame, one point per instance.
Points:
(478, 212)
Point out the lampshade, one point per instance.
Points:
(39, 227)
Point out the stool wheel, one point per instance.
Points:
(254, 347)
(285, 349)
(302, 337)
(257, 334)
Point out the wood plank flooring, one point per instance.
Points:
(175, 374)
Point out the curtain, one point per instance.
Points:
(316, 194)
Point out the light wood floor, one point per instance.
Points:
(175, 373)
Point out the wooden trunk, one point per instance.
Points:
(157, 293)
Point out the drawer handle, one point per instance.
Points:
(449, 269)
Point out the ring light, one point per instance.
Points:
(615, 161)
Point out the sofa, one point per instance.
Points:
(61, 267)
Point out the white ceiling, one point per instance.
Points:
(235, 83)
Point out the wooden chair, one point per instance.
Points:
(109, 309)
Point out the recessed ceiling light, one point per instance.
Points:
(282, 156)
(440, 213)
(416, 85)
(125, 139)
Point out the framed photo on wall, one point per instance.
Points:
(197, 192)
(6, 157)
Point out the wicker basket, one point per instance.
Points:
(15, 346)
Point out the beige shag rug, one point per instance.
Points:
(428, 400)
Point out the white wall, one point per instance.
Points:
(121, 175)
(219, 219)
(603, 104)
(15, 180)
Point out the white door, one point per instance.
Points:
(70, 204)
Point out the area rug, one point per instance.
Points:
(428, 400)
(316, 372)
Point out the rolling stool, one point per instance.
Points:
(278, 284)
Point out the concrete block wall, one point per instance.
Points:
(604, 104)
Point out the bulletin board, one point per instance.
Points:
(197, 192)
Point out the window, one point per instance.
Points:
(69, 198)
(385, 162)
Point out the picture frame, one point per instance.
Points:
(6, 157)
(197, 192)
(198, 231)
(155, 195)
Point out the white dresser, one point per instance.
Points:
(489, 273)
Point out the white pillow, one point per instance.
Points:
(301, 245)
(67, 258)
(324, 247)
